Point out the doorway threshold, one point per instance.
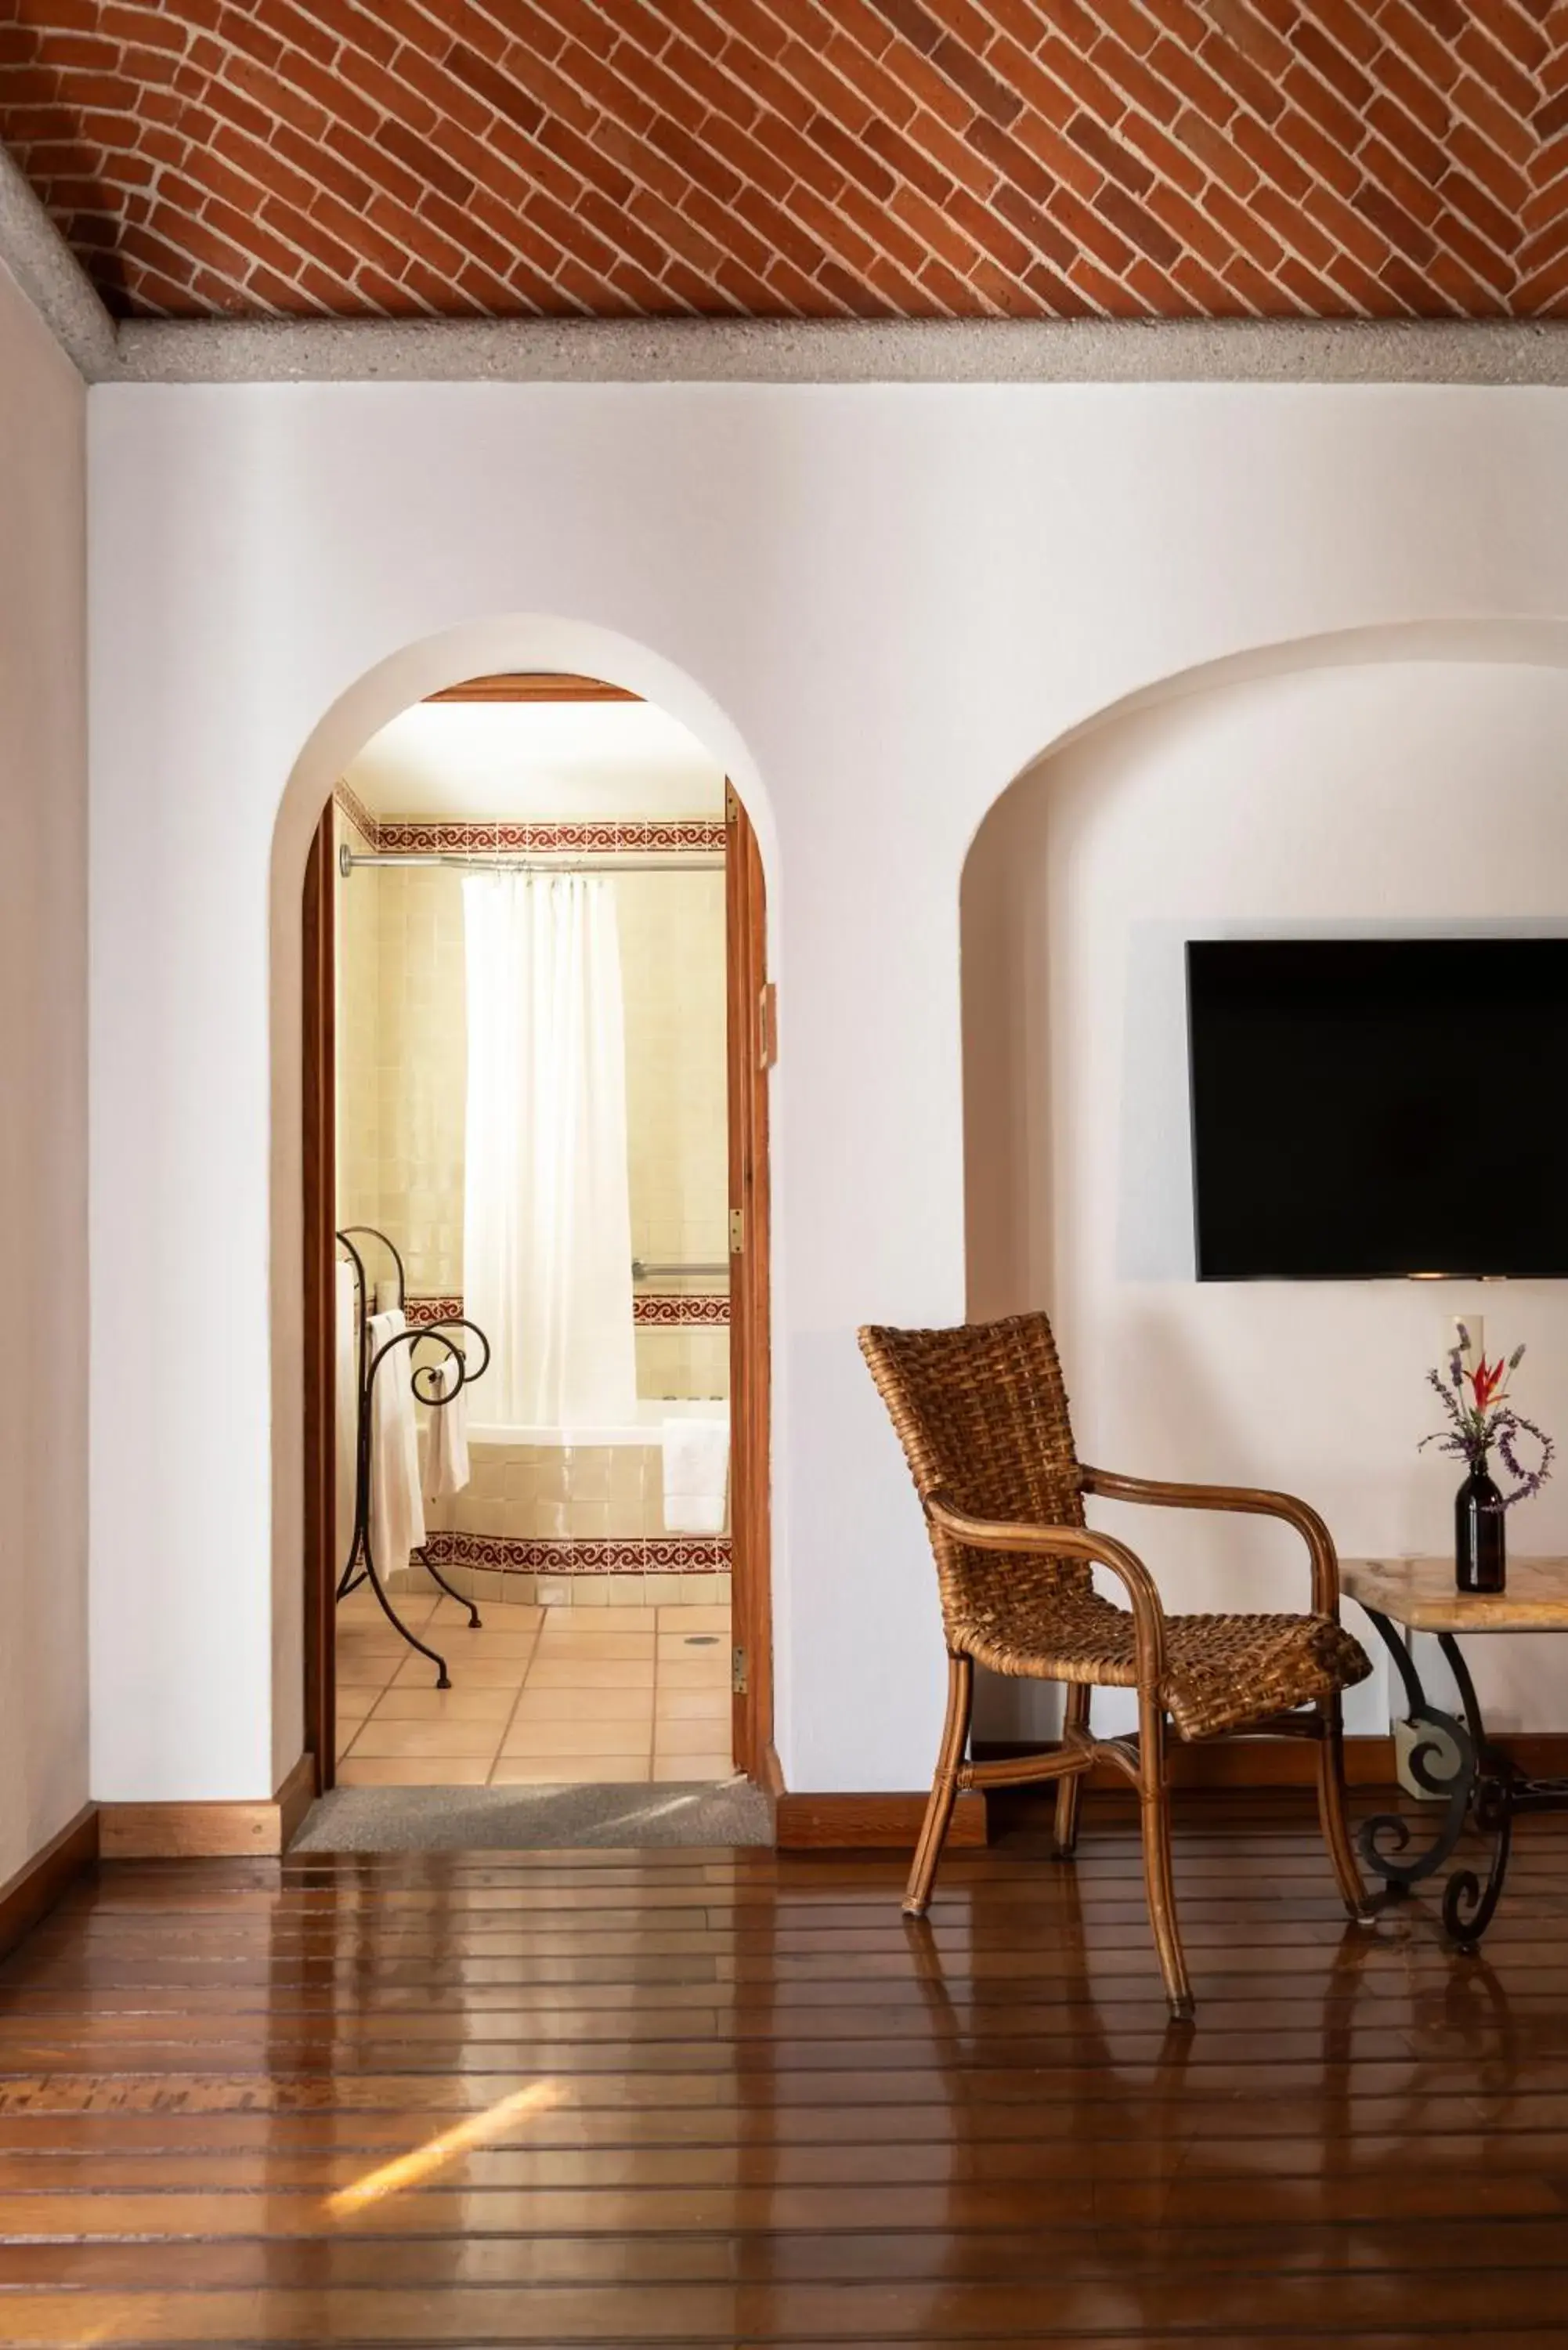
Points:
(536, 1818)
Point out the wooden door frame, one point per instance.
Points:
(319, 1137)
(750, 1052)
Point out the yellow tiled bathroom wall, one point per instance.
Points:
(357, 976)
(672, 974)
(401, 1075)
(421, 1053)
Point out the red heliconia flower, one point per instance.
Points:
(1486, 1379)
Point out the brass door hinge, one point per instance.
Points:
(737, 1232)
(738, 1671)
(767, 1026)
(732, 807)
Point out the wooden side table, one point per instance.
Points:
(1453, 1758)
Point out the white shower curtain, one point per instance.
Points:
(547, 1240)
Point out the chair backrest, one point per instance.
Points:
(982, 1414)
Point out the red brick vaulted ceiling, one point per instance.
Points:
(801, 157)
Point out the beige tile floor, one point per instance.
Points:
(539, 1695)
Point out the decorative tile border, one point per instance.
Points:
(566, 1554)
(655, 1309)
(488, 835)
(664, 1308)
(427, 835)
(347, 799)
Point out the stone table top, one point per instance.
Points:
(1419, 1594)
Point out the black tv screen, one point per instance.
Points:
(1379, 1106)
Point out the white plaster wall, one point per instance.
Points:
(876, 606)
(1386, 800)
(43, 1084)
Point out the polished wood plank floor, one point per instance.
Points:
(688, 2098)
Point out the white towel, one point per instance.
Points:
(696, 1475)
(396, 1512)
(345, 1405)
(446, 1455)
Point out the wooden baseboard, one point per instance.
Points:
(38, 1884)
(1543, 1754)
(294, 1797)
(227, 1830)
(867, 1823)
(1285, 1761)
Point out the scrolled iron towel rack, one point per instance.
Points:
(360, 1567)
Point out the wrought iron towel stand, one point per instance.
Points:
(430, 1382)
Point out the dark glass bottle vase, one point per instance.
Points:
(1481, 1556)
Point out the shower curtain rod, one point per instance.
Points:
(693, 860)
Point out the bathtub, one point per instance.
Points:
(643, 1429)
(587, 1499)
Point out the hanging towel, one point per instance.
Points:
(345, 1405)
(696, 1475)
(396, 1512)
(446, 1454)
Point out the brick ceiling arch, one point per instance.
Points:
(801, 157)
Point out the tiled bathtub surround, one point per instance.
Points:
(651, 1554)
(581, 1510)
(469, 1566)
(558, 1489)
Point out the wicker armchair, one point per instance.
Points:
(981, 1413)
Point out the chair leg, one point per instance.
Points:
(1070, 1791)
(944, 1787)
(1153, 1805)
(1331, 1809)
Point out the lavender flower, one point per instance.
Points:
(1488, 1419)
(1511, 1426)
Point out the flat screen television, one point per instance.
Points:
(1369, 1107)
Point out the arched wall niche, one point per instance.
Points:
(518, 643)
(1376, 782)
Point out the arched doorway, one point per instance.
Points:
(749, 1054)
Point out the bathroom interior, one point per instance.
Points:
(532, 1367)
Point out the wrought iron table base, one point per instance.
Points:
(1452, 1758)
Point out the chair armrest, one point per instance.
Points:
(1249, 1499)
(1071, 1542)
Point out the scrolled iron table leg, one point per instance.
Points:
(1481, 1786)
(1468, 1905)
(1443, 1761)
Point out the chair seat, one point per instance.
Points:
(1221, 1672)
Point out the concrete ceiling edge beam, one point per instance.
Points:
(766, 350)
(36, 255)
